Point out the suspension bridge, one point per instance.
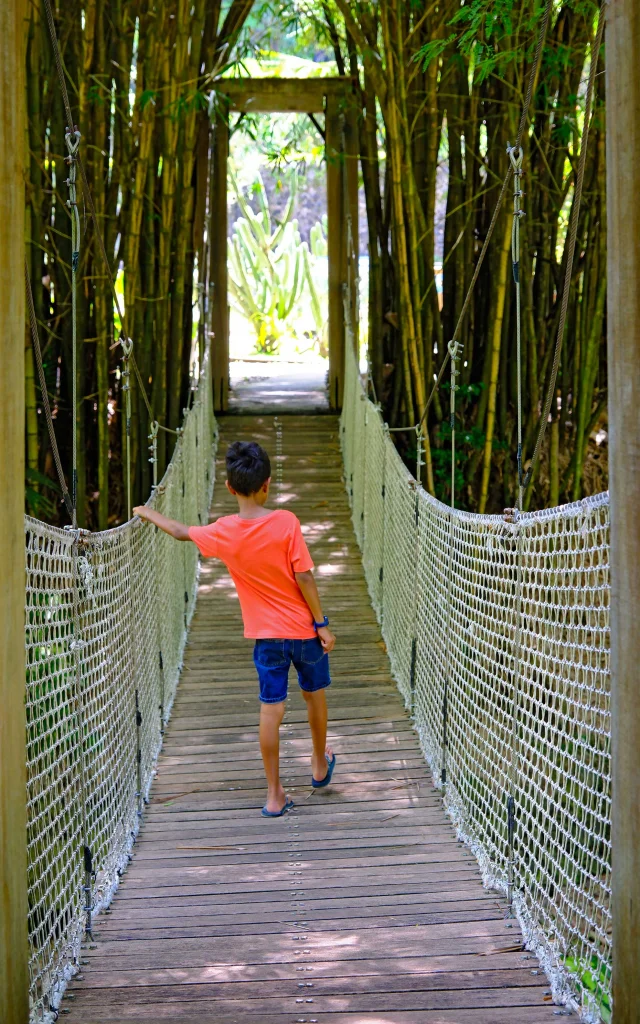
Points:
(366, 901)
(459, 870)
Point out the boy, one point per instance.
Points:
(270, 565)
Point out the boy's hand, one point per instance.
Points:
(142, 512)
(326, 638)
(170, 526)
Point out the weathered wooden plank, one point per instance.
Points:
(284, 987)
(368, 1002)
(525, 1015)
(281, 95)
(346, 972)
(383, 910)
(232, 927)
(244, 888)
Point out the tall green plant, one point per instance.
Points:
(317, 303)
(266, 268)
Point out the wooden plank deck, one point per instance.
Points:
(358, 907)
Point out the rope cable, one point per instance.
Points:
(516, 156)
(573, 233)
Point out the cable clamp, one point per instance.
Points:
(511, 515)
(79, 535)
(455, 348)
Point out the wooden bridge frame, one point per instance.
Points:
(623, 152)
(335, 97)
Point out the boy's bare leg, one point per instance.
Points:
(271, 716)
(317, 712)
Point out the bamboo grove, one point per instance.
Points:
(139, 77)
(439, 89)
(456, 72)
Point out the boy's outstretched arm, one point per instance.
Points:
(306, 582)
(170, 526)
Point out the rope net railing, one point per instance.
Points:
(100, 683)
(498, 637)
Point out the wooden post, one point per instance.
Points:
(220, 301)
(14, 974)
(336, 249)
(623, 242)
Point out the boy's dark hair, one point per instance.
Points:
(248, 466)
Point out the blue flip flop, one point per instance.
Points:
(278, 814)
(327, 779)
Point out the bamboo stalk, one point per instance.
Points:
(502, 260)
(415, 385)
(183, 286)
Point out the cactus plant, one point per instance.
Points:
(318, 253)
(317, 237)
(266, 268)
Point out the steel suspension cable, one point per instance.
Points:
(571, 243)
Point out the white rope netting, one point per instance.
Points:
(500, 716)
(90, 750)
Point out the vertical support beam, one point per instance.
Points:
(220, 300)
(623, 215)
(14, 975)
(352, 156)
(336, 248)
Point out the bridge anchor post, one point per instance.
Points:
(623, 320)
(14, 950)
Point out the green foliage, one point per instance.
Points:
(594, 977)
(38, 504)
(318, 251)
(432, 50)
(490, 35)
(267, 267)
(282, 140)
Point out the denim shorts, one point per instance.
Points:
(273, 658)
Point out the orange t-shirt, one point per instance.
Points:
(262, 556)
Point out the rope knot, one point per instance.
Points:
(516, 157)
(127, 346)
(72, 140)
